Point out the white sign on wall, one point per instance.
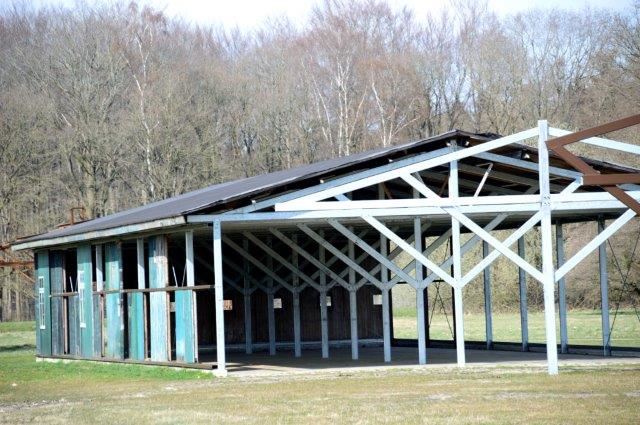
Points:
(277, 303)
(377, 299)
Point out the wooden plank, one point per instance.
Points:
(43, 310)
(57, 287)
(97, 325)
(185, 335)
(135, 309)
(136, 326)
(158, 278)
(115, 322)
(74, 326)
(85, 299)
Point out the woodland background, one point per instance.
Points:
(113, 106)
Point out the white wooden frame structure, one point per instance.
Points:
(330, 205)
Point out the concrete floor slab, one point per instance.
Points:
(371, 358)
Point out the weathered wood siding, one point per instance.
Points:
(114, 347)
(43, 292)
(56, 266)
(159, 312)
(85, 294)
(185, 331)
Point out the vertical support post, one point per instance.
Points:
(488, 316)
(353, 305)
(604, 292)
(422, 340)
(384, 278)
(562, 296)
(547, 248)
(271, 315)
(221, 369)
(191, 282)
(457, 264)
(524, 313)
(140, 263)
(248, 333)
(99, 269)
(386, 320)
(297, 340)
(324, 322)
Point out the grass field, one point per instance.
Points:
(85, 392)
(583, 327)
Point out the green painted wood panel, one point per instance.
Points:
(43, 304)
(114, 346)
(56, 261)
(158, 278)
(73, 326)
(185, 334)
(97, 326)
(136, 325)
(85, 300)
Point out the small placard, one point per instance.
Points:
(377, 299)
(277, 303)
(173, 307)
(328, 301)
(228, 305)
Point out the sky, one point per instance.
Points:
(249, 14)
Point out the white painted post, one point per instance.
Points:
(297, 342)
(384, 279)
(191, 281)
(221, 369)
(604, 291)
(562, 297)
(457, 265)
(99, 268)
(422, 337)
(188, 240)
(248, 331)
(548, 271)
(488, 317)
(324, 321)
(271, 314)
(524, 314)
(353, 305)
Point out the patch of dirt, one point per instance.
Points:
(6, 408)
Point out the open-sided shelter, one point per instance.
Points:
(254, 263)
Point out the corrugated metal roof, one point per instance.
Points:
(217, 196)
(233, 194)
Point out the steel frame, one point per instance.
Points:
(314, 206)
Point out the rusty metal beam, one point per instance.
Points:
(611, 179)
(593, 177)
(593, 132)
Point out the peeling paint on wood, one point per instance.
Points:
(159, 317)
(185, 338)
(114, 321)
(43, 292)
(85, 295)
(136, 326)
(56, 273)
